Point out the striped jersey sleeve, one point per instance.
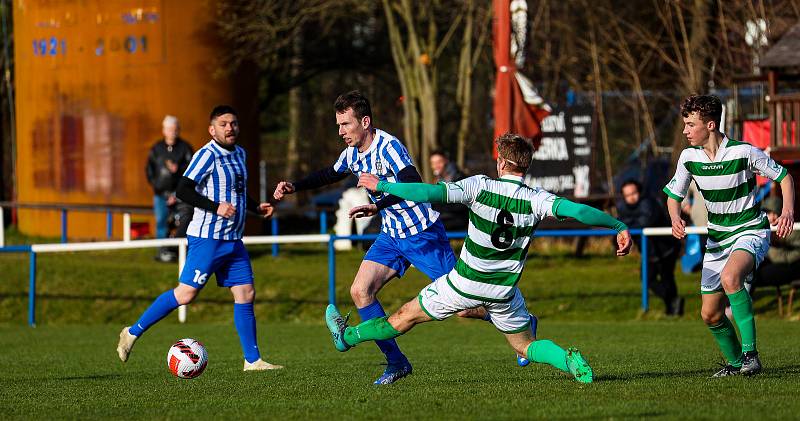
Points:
(201, 165)
(542, 204)
(679, 185)
(341, 165)
(762, 164)
(464, 191)
(396, 156)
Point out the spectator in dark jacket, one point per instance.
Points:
(166, 162)
(637, 211)
(454, 216)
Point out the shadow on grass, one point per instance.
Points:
(769, 372)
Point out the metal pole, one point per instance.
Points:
(109, 224)
(63, 225)
(331, 270)
(181, 264)
(32, 289)
(645, 305)
(274, 233)
(126, 227)
(323, 222)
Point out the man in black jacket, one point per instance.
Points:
(167, 160)
(637, 211)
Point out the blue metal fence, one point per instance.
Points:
(31, 250)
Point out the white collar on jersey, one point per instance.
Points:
(220, 149)
(512, 178)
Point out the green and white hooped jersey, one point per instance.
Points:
(728, 186)
(503, 215)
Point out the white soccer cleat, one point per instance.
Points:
(260, 365)
(126, 341)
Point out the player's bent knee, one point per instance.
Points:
(362, 295)
(185, 294)
(711, 318)
(730, 282)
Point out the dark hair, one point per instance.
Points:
(440, 153)
(220, 110)
(707, 107)
(629, 182)
(515, 148)
(355, 100)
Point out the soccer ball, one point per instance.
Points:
(187, 358)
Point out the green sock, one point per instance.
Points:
(742, 307)
(728, 342)
(378, 329)
(547, 352)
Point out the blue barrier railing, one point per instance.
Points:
(31, 250)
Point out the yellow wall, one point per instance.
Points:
(94, 80)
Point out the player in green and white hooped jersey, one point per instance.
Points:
(738, 231)
(504, 213)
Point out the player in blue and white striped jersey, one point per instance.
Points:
(215, 183)
(411, 232)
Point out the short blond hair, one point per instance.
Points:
(516, 150)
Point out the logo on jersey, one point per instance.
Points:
(379, 167)
(239, 184)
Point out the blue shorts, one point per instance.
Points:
(227, 259)
(429, 251)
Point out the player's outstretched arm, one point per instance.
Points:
(416, 192)
(785, 222)
(314, 180)
(588, 215)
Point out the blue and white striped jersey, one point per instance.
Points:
(385, 158)
(221, 176)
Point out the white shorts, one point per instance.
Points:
(756, 243)
(439, 301)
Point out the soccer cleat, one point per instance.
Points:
(727, 370)
(336, 325)
(260, 365)
(126, 341)
(523, 361)
(751, 364)
(394, 372)
(578, 366)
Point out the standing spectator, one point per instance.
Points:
(782, 264)
(167, 160)
(662, 251)
(454, 216)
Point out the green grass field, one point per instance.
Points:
(646, 365)
(463, 370)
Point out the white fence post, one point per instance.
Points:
(181, 263)
(126, 227)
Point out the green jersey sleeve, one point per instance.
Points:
(563, 208)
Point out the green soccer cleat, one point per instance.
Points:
(578, 366)
(336, 325)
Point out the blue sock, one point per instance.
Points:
(162, 306)
(388, 347)
(245, 320)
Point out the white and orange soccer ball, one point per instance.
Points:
(187, 358)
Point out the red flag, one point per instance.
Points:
(517, 108)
